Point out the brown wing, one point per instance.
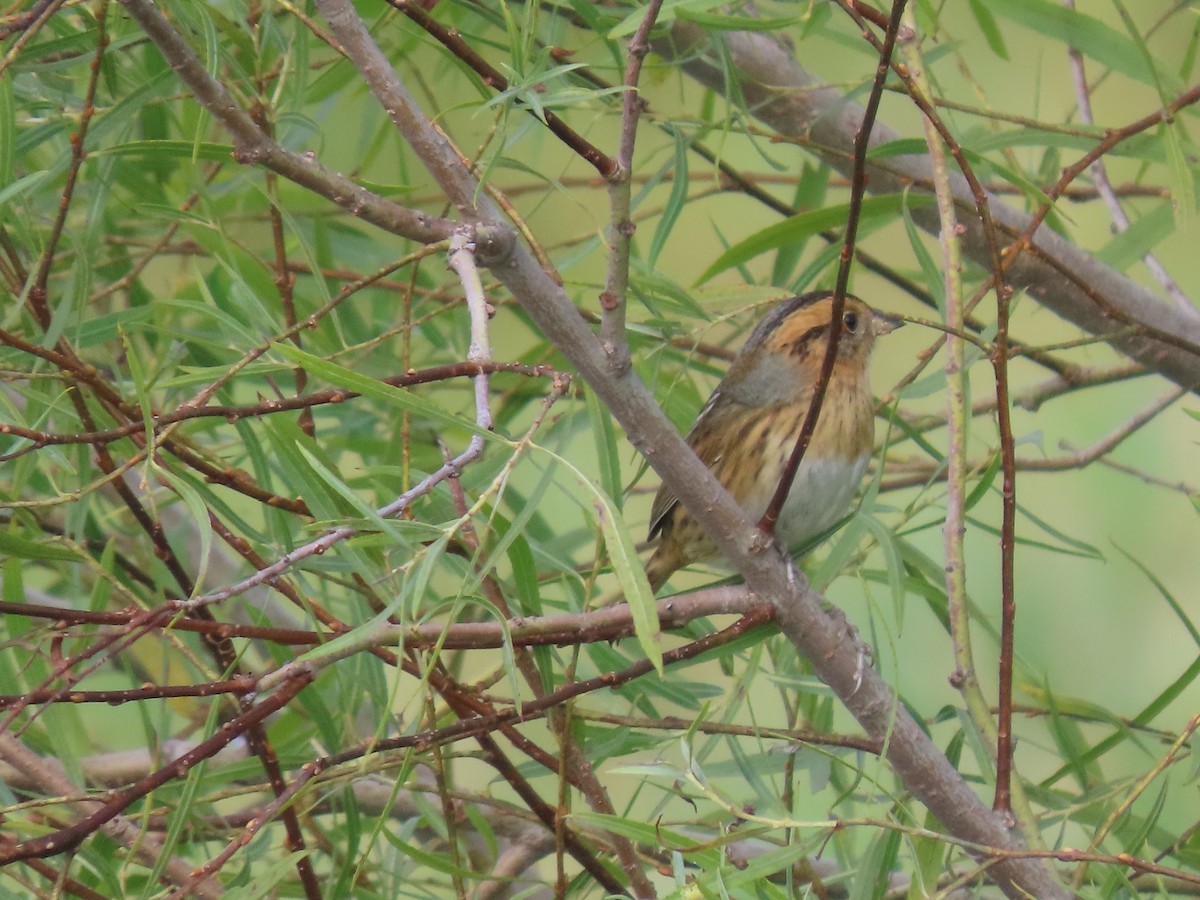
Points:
(708, 439)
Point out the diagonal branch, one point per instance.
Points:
(251, 146)
(825, 640)
(1064, 278)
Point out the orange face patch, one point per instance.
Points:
(800, 329)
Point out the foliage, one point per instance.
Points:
(336, 576)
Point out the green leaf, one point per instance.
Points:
(608, 454)
(895, 564)
(24, 185)
(675, 201)
(1168, 597)
(1142, 236)
(189, 150)
(654, 834)
(198, 510)
(622, 553)
(1183, 178)
(377, 390)
(8, 128)
(871, 876)
(987, 24)
(935, 282)
(19, 548)
(733, 23)
(1088, 35)
(1073, 746)
(805, 225)
(979, 491)
(666, 15)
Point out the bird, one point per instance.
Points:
(748, 428)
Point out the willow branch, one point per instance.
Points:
(1055, 272)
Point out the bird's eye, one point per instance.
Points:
(850, 321)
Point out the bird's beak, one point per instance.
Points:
(885, 324)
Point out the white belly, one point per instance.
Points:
(819, 497)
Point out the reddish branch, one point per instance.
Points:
(232, 414)
(563, 630)
(67, 839)
(858, 189)
(998, 356)
(243, 684)
(479, 724)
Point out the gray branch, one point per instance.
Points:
(832, 647)
(1058, 274)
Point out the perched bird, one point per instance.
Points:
(747, 430)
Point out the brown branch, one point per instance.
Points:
(1104, 188)
(241, 685)
(37, 14)
(252, 147)
(307, 773)
(923, 472)
(792, 735)
(492, 78)
(331, 396)
(858, 183)
(67, 839)
(621, 227)
(563, 630)
(48, 774)
(998, 355)
(1058, 274)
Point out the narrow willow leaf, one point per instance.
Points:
(987, 24)
(1176, 606)
(666, 15)
(754, 877)
(169, 150)
(188, 798)
(1143, 235)
(607, 452)
(8, 128)
(871, 875)
(19, 548)
(1183, 178)
(935, 283)
(623, 556)
(983, 165)
(805, 225)
(24, 185)
(1072, 744)
(655, 834)
(363, 509)
(376, 390)
(810, 194)
(895, 564)
(733, 23)
(198, 510)
(986, 480)
(1088, 35)
(675, 201)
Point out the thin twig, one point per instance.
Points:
(252, 147)
(614, 297)
(453, 41)
(858, 189)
